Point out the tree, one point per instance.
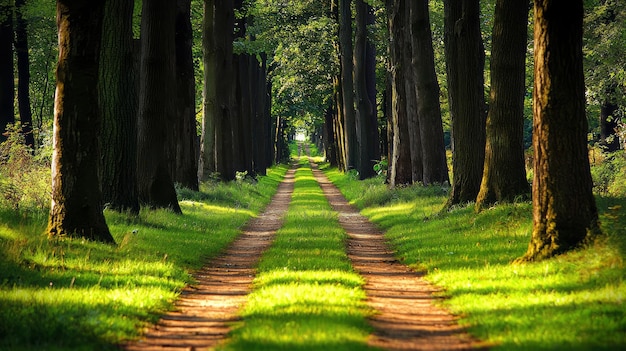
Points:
(347, 84)
(23, 73)
(157, 110)
(364, 82)
(400, 165)
(118, 103)
(564, 209)
(465, 59)
(7, 84)
(435, 166)
(605, 72)
(504, 174)
(185, 162)
(76, 208)
(209, 93)
(218, 108)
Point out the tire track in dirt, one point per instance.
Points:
(406, 317)
(204, 312)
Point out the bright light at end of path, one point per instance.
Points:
(300, 136)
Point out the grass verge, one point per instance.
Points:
(70, 294)
(574, 301)
(306, 295)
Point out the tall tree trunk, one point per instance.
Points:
(410, 89)
(207, 164)
(118, 103)
(400, 171)
(435, 166)
(186, 164)
(347, 85)
(370, 82)
(76, 208)
(564, 209)
(261, 121)
(7, 80)
(366, 111)
(224, 19)
(338, 123)
(465, 59)
(504, 174)
(157, 109)
(330, 144)
(23, 74)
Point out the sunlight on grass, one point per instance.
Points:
(73, 294)
(306, 296)
(573, 301)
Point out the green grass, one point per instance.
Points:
(72, 294)
(574, 301)
(306, 295)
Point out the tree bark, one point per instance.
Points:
(435, 166)
(465, 59)
(400, 171)
(157, 109)
(347, 85)
(185, 170)
(7, 80)
(564, 209)
(23, 74)
(504, 174)
(118, 103)
(76, 208)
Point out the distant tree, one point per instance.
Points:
(76, 208)
(118, 103)
(157, 109)
(504, 174)
(434, 164)
(7, 80)
(185, 158)
(465, 59)
(23, 73)
(604, 41)
(564, 209)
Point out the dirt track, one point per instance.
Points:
(406, 317)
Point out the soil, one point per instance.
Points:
(407, 314)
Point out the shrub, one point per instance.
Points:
(24, 177)
(608, 174)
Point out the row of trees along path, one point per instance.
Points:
(406, 317)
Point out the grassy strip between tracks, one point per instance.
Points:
(306, 295)
(571, 302)
(69, 294)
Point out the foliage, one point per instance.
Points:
(306, 295)
(513, 307)
(24, 177)
(40, 16)
(72, 294)
(605, 64)
(608, 173)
